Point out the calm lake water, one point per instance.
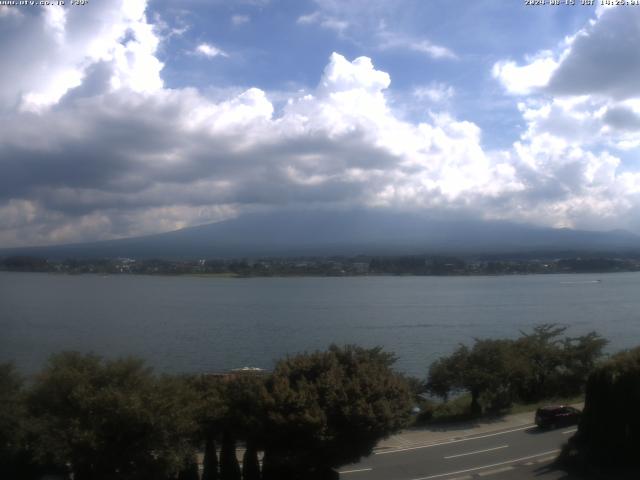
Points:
(191, 324)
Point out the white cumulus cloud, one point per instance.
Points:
(524, 79)
(124, 155)
(210, 51)
(115, 34)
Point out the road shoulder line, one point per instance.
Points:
(453, 440)
(476, 452)
(506, 462)
(358, 470)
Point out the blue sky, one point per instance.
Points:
(270, 48)
(134, 117)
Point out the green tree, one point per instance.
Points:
(11, 412)
(211, 409)
(489, 372)
(537, 365)
(247, 404)
(233, 408)
(580, 357)
(609, 431)
(250, 463)
(173, 410)
(445, 374)
(210, 461)
(541, 355)
(15, 457)
(486, 371)
(111, 419)
(229, 467)
(190, 470)
(331, 408)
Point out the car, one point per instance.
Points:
(557, 416)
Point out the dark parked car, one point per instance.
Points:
(557, 416)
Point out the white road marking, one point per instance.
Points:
(495, 471)
(515, 460)
(386, 452)
(477, 451)
(356, 471)
(545, 459)
(567, 432)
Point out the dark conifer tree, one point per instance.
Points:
(229, 467)
(190, 471)
(210, 463)
(250, 464)
(274, 467)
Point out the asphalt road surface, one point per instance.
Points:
(523, 452)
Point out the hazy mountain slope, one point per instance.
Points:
(342, 233)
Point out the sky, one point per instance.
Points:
(130, 117)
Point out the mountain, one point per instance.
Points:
(323, 233)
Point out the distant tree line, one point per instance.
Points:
(538, 365)
(25, 264)
(328, 266)
(114, 419)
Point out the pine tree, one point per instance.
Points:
(229, 467)
(190, 471)
(250, 464)
(210, 463)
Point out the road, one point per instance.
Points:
(506, 454)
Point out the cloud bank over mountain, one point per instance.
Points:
(95, 146)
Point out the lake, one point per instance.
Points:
(194, 324)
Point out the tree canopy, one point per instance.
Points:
(540, 364)
(609, 431)
(110, 419)
(331, 408)
(12, 422)
(105, 419)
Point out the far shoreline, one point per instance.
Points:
(234, 276)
